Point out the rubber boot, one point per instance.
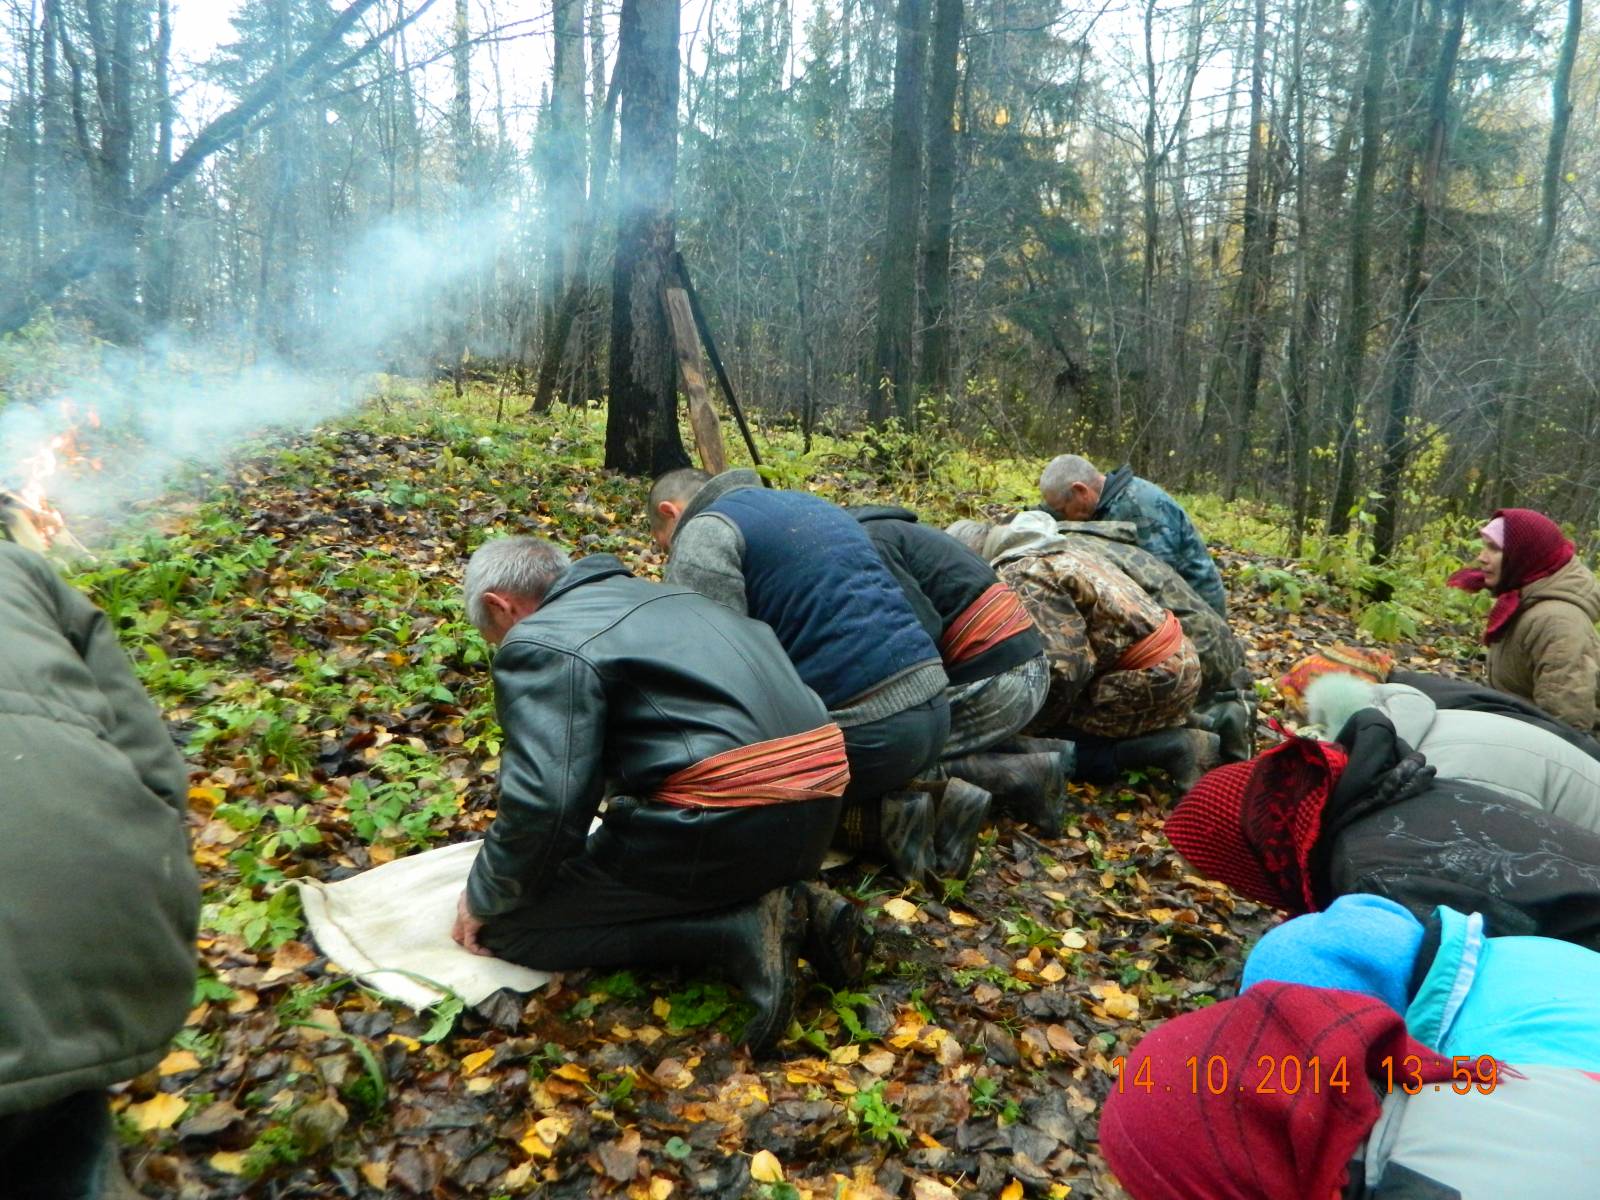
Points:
(1233, 721)
(905, 834)
(758, 945)
(1184, 754)
(838, 941)
(960, 810)
(1027, 787)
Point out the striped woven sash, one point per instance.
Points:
(997, 614)
(1155, 649)
(801, 766)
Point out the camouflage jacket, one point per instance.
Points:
(1164, 529)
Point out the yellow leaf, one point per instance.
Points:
(206, 798)
(901, 909)
(473, 1063)
(1073, 939)
(513, 1180)
(244, 1001)
(553, 1128)
(1002, 118)
(177, 1063)
(1053, 972)
(533, 1145)
(962, 921)
(476, 1087)
(765, 1167)
(410, 1043)
(660, 1187)
(1121, 1005)
(1012, 1190)
(1060, 1191)
(229, 1162)
(571, 1072)
(376, 1174)
(161, 1111)
(662, 1007)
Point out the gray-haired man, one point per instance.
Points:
(719, 769)
(1074, 490)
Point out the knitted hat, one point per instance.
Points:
(1253, 825)
(1360, 943)
(1169, 1140)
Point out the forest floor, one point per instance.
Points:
(296, 614)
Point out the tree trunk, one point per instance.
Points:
(1396, 446)
(564, 179)
(1538, 273)
(890, 390)
(937, 332)
(641, 421)
(158, 252)
(1350, 352)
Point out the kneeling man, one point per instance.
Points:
(720, 771)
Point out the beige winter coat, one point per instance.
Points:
(1551, 654)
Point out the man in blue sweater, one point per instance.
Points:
(806, 568)
(1073, 490)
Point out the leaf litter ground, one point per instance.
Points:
(296, 615)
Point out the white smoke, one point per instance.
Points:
(177, 399)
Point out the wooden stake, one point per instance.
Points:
(692, 373)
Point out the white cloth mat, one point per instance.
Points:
(390, 928)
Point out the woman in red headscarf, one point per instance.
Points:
(1302, 1093)
(1308, 821)
(1541, 636)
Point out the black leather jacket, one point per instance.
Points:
(614, 684)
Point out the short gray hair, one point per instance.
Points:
(1064, 470)
(515, 566)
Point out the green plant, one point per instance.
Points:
(258, 923)
(876, 1117)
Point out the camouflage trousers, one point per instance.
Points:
(993, 709)
(1124, 704)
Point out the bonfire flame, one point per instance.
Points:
(27, 511)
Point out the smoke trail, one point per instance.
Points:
(177, 400)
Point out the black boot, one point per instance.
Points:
(1184, 754)
(905, 834)
(1232, 719)
(758, 946)
(960, 810)
(838, 941)
(1027, 787)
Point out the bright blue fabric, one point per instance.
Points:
(1524, 1000)
(844, 621)
(1359, 943)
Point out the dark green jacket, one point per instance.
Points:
(98, 896)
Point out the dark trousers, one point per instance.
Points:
(892, 751)
(587, 919)
(58, 1152)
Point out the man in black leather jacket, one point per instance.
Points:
(614, 689)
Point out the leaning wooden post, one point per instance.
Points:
(716, 359)
(702, 417)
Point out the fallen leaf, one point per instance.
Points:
(765, 1167)
(1053, 972)
(229, 1162)
(931, 1189)
(514, 1180)
(879, 1062)
(660, 1187)
(572, 1072)
(1062, 1041)
(901, 909)
(473, 1063)
(620, 1158)
(177, 1063)
(161, 1111)
(1012, 1190)
(962, 921)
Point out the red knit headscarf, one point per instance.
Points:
(1253, 824)
(1179, 1141)
(1534, 548)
